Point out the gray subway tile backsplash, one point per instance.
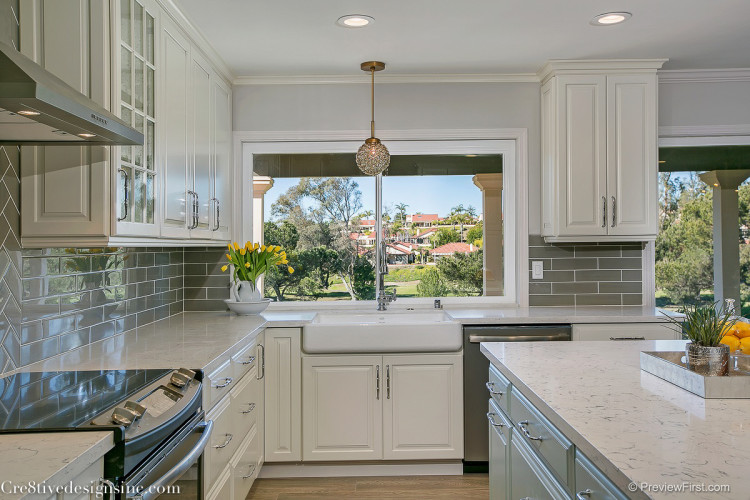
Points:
(586, 274)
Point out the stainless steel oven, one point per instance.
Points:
(175, 469)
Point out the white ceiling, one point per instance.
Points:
(300, 37)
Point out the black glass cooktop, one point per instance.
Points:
(65, 400)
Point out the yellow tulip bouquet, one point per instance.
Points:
(252, 260)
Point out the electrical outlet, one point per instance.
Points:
(537, 269)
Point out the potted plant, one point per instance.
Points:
(705, 326)
(249, 263)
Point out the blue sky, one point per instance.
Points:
(426, 194)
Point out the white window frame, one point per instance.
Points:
(512, 144)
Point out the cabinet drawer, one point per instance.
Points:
(246, 465)
(499, 388)
(592, 484)
(541, 435)
(223, 487)
(246, 404)
(530, 479)
(498, 420)
(626, 331)
(245, 360)
(222, 442)
(218, 383)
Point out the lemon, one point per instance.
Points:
(732, 341)
(745, 345)
(742, 329)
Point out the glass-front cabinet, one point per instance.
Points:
(135, 91)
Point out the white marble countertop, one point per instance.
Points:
(54, 458)
(590, 314)
(633, 425)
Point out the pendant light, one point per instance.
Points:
(373, 157)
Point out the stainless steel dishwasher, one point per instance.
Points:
(476, 367)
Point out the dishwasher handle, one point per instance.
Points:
(476, 339)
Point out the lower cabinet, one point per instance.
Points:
(392, 407)
(499, 452)
(626, 331)
(234, 455)
(530, 459)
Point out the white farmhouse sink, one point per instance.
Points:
(388, 331)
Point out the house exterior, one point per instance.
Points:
(450, 248)
(422, 220)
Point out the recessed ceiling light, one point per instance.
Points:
(86, 136)
(26, 112)
(355, 21)
(610, 18)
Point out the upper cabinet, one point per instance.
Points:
(599, 150)
(136, 59)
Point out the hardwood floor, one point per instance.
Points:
(468, 486)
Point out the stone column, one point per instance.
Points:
(491, 186)
(726, 232)
(261, 185)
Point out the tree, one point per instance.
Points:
(444, 235)
(475, 234)
(465, 271)
(284, 234)
(401, 212)
(339, 198)
(684, 246)
(431, 284)
(363, 282)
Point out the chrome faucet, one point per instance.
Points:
(383, 298)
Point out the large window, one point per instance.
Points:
(439, 240)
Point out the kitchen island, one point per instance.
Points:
(647, 436)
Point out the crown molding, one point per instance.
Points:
(245, 136)
(588, 66)
(198, 38)
(704, 75)
(386, 78)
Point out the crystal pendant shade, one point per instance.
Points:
(373, 157)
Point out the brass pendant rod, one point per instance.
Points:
(372, 103)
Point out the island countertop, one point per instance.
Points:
(636, 427)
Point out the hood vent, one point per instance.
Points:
(37, 108)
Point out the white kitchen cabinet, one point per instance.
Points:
(139, 60)
(599, 151)
(342, 404)
(393, 407)
(135, 58)
(220, 203)
(423, 407)
(283, 395)
(65, 189)
(626, 331)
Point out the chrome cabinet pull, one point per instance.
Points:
(126, 194)
(192, 197)
(492, 420)
(196, 204)
(491, 387)
(604, 208)
(387, 381)
(250, 473)
(627, 338)
(217, 213)
(614, 212)
(262, 371)
(227, 381)
(522, 427)
(377, 382)
(249, 361)
(251, 407)
(583, 495)
(227, 440)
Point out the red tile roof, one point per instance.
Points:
(424, 233)
(451, 248)
(424, 217)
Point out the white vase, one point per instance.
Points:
(246, 291)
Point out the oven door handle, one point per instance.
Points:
(182, 466)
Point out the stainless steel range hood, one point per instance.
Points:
(36, 108)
